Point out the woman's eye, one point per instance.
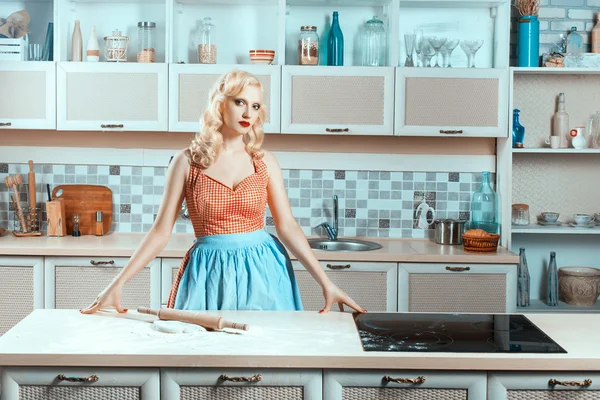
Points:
(256, 107)
(239, 102)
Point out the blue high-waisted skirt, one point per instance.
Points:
(242, 271)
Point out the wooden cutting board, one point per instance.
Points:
(85, 200)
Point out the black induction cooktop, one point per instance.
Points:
(453, 333)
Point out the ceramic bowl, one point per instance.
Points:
(579, 286)
(262, 56)
(548, 216)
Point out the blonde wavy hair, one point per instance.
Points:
(207, 144)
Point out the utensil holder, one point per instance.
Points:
(32, 218)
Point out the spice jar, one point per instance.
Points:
(308, 45)
(520, 214)
(99, 224)
(207, 48)
(146, 41)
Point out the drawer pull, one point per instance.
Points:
(337, 129)
(111, 126)
(255, 378)
(93, 262)
(91, 378)
(5, 123)
(451, 131)
(457, 269)
(332, 266)
(587, 382)
(419, 379)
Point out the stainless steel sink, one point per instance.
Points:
(342, 244)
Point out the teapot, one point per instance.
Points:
(421, 215)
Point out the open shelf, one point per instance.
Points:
(41, 13)
(561, 230)
(539, 306)
(543, 70)
(547, 150)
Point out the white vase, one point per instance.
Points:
(93, 48)
(76, 43)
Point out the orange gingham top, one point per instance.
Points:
(216, 209)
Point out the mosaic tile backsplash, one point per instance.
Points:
(371, 203)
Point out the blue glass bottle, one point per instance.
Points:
(518, 130)
(523, 284)
(552, 291)
(335, 43)
(574, 42)
(485, 207)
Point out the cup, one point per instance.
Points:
(583, 219)
(549, 216)
(554, 142)
(35, 52)
(597, 216)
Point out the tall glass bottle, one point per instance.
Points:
(560, 122)
(552, 278)
(77, 43)
(518, 130)
(574, 41)
(485, 207)
(335, 43)
(523, 285)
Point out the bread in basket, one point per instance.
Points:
(480, 240)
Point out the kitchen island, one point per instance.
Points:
(303, 350)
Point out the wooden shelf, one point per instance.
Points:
(563, 229)
(547, 150)
(539, 306)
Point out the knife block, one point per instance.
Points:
(56, 218)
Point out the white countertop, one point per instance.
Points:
(275, 339)
(124, 244)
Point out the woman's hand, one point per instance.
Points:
(109, 297)
(334, 294)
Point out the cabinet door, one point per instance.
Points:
(80, 383)
(337, 101)
(21, 289)
(190, 85)
(371, 285)
(109, 96)
(403, 385)
(74, 282)
(527, 385)
(169, 269)
(452, 102)
(251, 384)
(29, 89)
(483, 288)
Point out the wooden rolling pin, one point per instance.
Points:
(31, 186)
(192, 317)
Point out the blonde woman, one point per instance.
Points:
(227, 181)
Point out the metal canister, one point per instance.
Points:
(449, 231)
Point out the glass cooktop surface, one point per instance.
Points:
(455, 333)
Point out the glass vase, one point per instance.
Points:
(552, 280)
(523, 284)
(485, 207)
(528, 42)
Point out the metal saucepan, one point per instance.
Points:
(449, 231)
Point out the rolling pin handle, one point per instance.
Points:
(146, 310)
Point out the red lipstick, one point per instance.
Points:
(245, 124)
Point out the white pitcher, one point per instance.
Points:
(421, 215)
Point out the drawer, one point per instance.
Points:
(527, 385)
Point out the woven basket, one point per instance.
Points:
(487, 244)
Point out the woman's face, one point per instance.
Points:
(241, 112)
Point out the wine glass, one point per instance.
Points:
(409, 42)
(428, 52)
(470, 48)
(447, 50)
(418, 44)
(436, 43)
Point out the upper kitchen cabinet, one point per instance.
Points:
(230, 28)
(111, 96)
(32, 100)
(461, 102)
(337, 101)
(189, 86)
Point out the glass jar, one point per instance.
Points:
(206, 41)
(520, 214)
(308, 46)
(146, 42)
(485, 207)
(374, 43)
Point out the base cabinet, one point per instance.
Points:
(250, 384)
(543, 386)
(80, 383)
(403, 385)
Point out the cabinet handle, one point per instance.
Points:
(5, 123)
(451, 132)
(458, 269)
(419, 379)
(111, 125)
(91, 378)
(255, 378)
(332, 266)
(587, 382)
(93, 262)
(337, 130)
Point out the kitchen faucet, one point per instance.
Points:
(332, 232)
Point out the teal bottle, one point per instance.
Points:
(518, 130)
(485, 207)
(335, 43)
(552, 278)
